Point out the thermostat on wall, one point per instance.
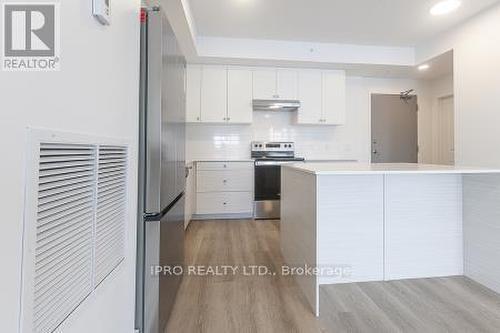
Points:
(102, 11)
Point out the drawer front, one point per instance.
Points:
(207, 166)
(224, 203)
(225, 181)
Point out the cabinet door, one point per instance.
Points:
(239, 98)
(334, 97)
(287, 86)
(264, 84)
(190, 195)
(225, 181)
(193, 94)
(310, 97)
(215, 203)
(213, 94)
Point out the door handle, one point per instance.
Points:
(375, 151)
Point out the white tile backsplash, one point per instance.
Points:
(233, 141)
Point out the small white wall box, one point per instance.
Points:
(102, 11)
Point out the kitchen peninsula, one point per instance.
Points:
(381, 222)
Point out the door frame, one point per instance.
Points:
(371, 93)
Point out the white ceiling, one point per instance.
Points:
(367, 22)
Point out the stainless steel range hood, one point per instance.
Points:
(275, 105)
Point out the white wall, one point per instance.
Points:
(96, 92)
(476, 46)
(351, 141)
(228, 48)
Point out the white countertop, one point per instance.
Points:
(252, 160)
(220, 160)
(385, 168)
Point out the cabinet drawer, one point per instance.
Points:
(225, 181)
(212, 203)
(224, 165)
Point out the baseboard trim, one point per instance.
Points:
(222, 217)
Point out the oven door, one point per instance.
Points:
(267, 190)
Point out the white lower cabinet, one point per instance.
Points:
(215, 203)
(224, 188)
(190, 195)
(226, 181)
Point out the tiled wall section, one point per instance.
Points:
(347, 142)
(233, 142)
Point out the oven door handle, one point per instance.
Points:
(268, 163)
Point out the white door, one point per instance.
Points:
(288, 84)
(444, 130)
(213, 94)
(239, 96)
(334, 98)
(264, 84)
(193, 93)
(310, 97)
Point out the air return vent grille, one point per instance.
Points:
(111, 197)
(63, 255)
(74, 227)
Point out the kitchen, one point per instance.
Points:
(248, 124)
(293, 166)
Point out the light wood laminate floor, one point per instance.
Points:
(273, 303)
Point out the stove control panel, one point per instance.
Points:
(273, 146)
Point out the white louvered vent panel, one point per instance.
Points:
(64, 232)
(111, 207)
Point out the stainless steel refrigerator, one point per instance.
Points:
(162, 170)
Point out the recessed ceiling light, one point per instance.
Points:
(423, 67)
(445, 7)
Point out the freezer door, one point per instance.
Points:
(165, 115)
(171, 255)
(151, 287)
(164, 248)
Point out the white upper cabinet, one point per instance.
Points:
(193, 94)
(224, 94)
(272, 83)
(239, 96)
(287, 84)
(264, 83)
(213, 94)
(323, 97)
(334, 97)
(310, 95)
